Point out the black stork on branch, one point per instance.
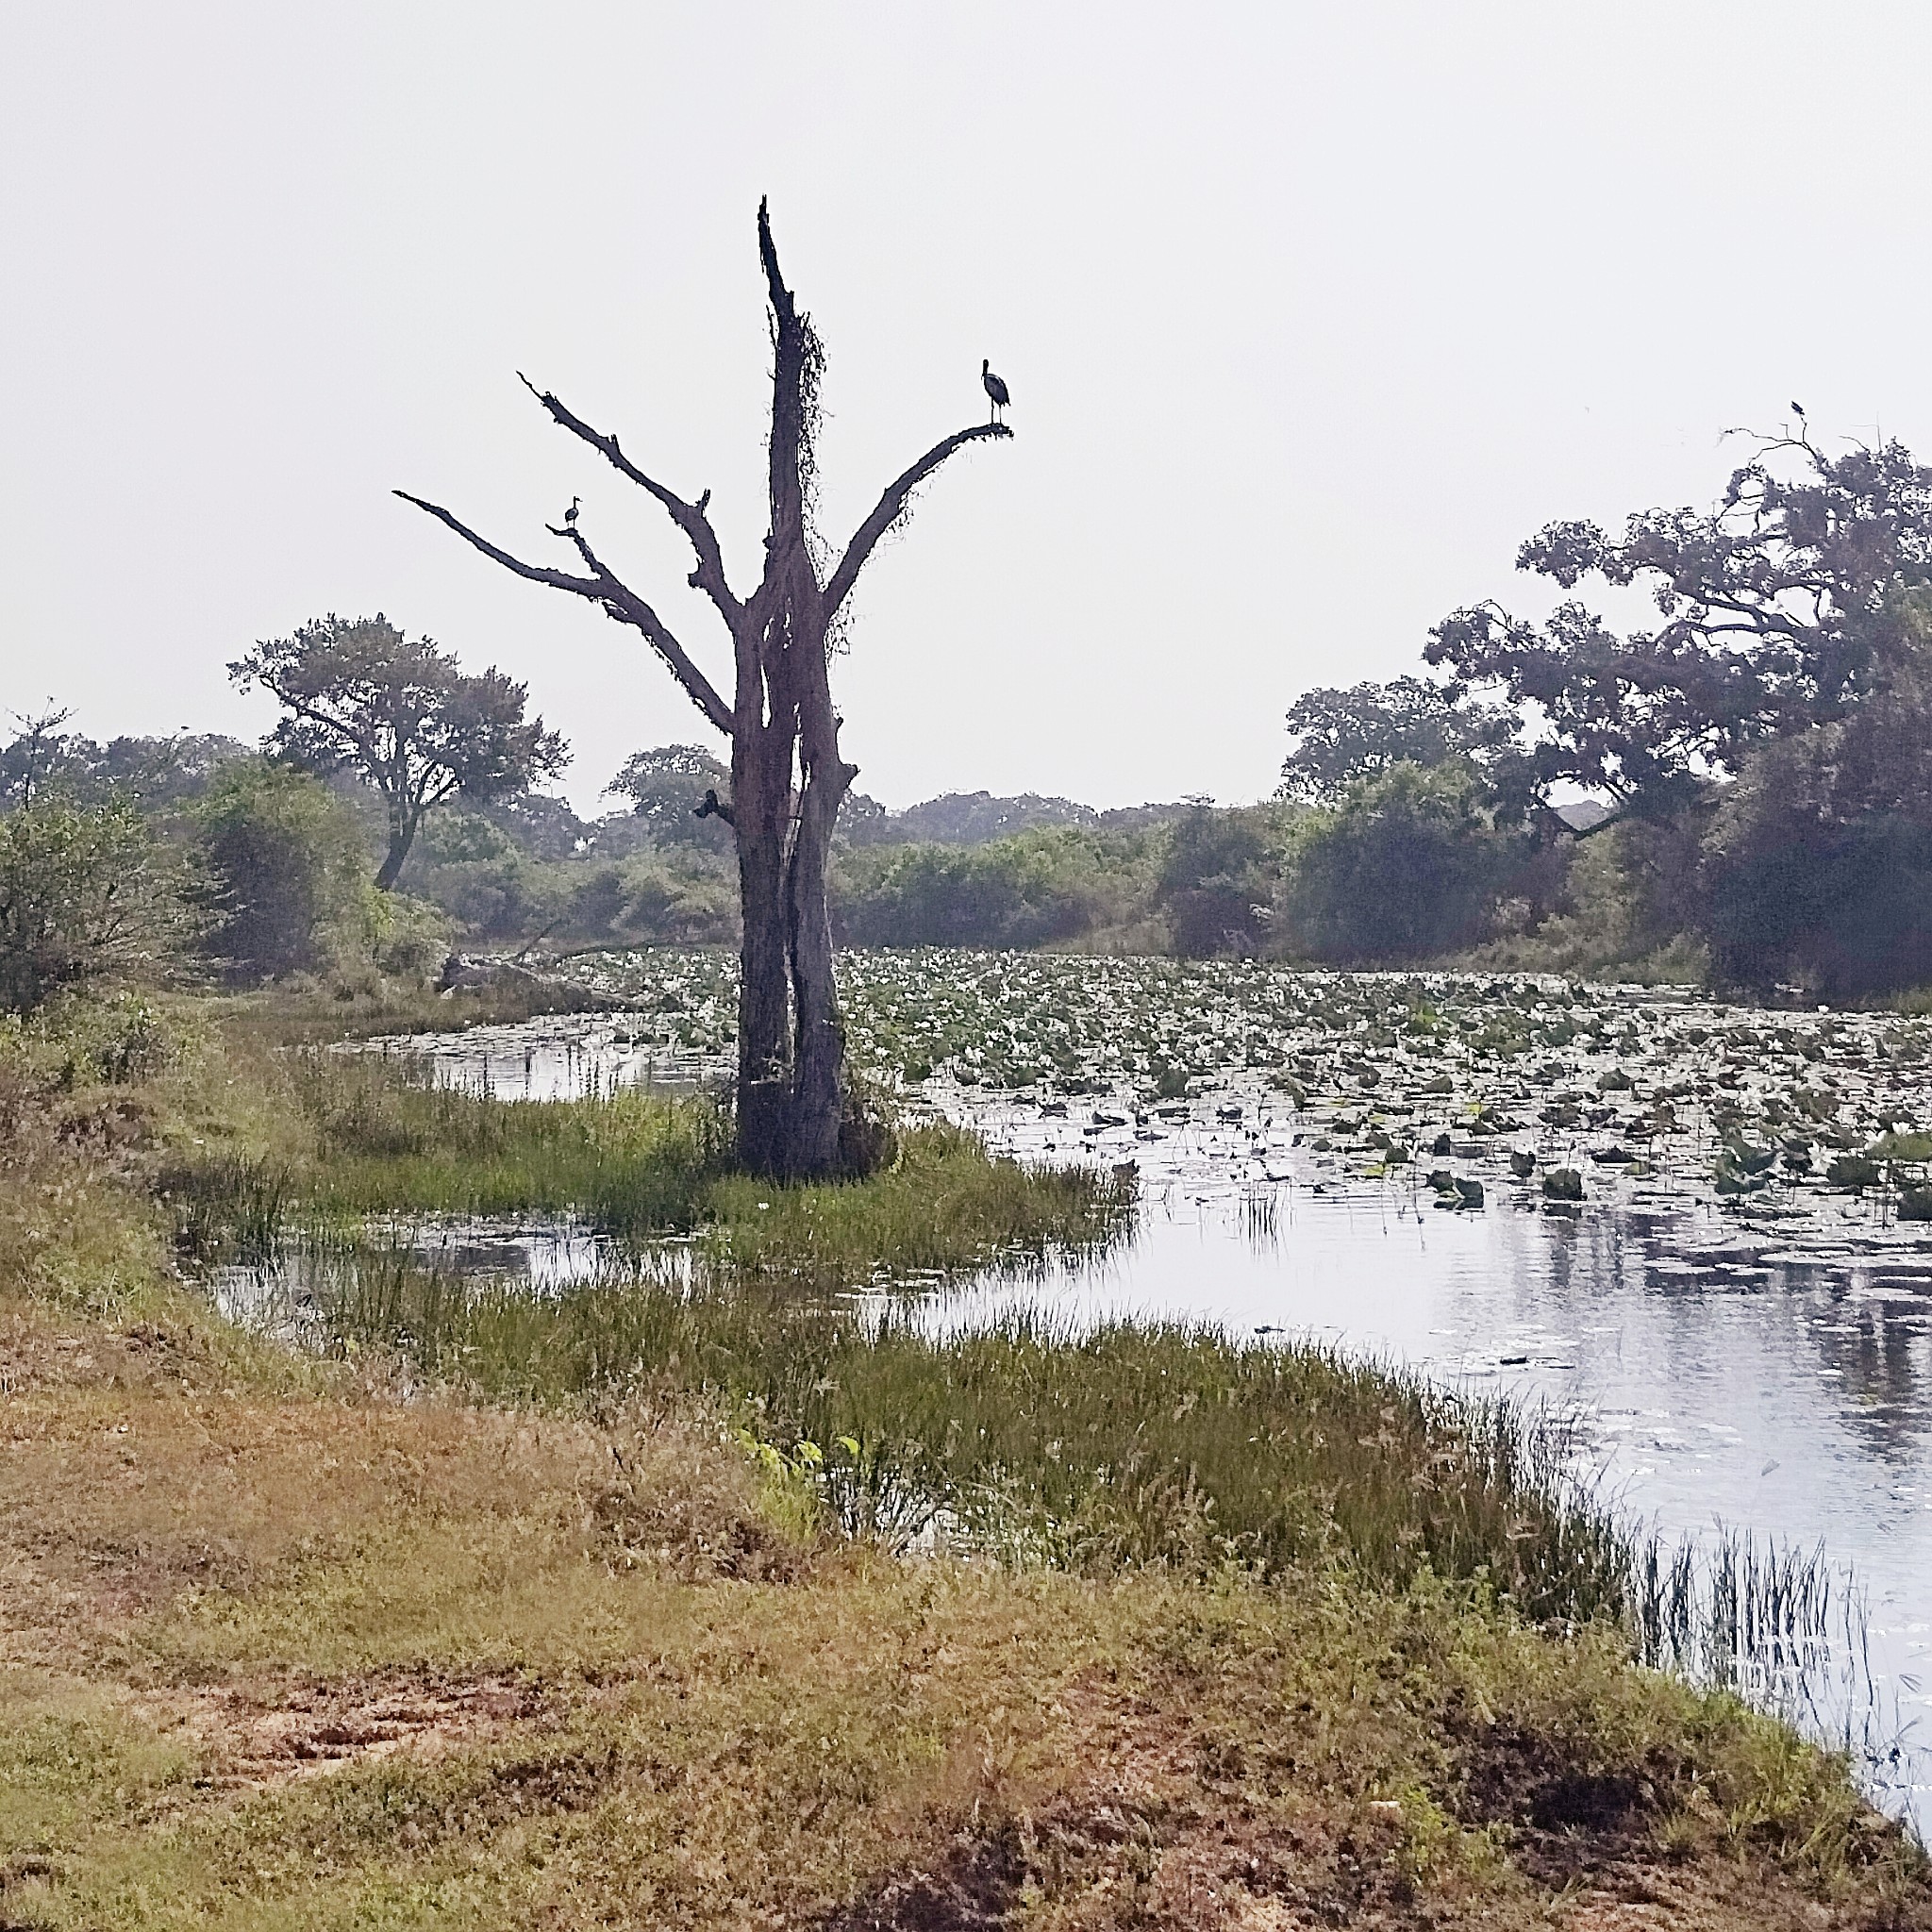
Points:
(995, 389)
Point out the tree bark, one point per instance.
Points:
(400, 838)
(787, 776)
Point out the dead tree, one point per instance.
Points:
(788, 778)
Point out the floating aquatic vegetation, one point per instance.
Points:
(1534, 1088)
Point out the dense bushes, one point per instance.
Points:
(1219, 880)
(285, 861)
(1804, 886)
(1034, 889)
(634, 882)
(1818, 859)
(86, 894)
(1410, 865)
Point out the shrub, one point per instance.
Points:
(1803, 885)
(1409, 866)
(1031, 889)
(407, 939)
(285, 861)
(86, 894)
(1219, 881)
(1818, 863)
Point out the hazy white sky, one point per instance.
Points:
(1311, 313)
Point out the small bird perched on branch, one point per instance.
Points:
(1798, 410)
(570, 516)
(996, 388)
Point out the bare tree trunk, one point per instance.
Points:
(787, 776)
(761, 791)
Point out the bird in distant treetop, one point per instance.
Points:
(994, 387)
(1798, 410)
(570, 516)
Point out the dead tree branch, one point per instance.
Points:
(617, 599)
(689, 517)
(892, 507)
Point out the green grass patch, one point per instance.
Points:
(1130, 1445)
(382, 1138)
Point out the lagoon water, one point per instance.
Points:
(1723, 1368)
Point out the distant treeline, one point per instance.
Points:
(1382, 849)
(1742, 793)
(273, 865)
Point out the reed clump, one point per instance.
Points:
(1132, 1444)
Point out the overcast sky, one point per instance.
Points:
(1310, 312)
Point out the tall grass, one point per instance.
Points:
(1777, 1623)
(1138, 1444)
(392, 1139)
(384, 1137)
(1131, 1444)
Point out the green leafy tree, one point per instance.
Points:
(1777, 609)
(87, 895)
(668, 787)
(1341, 737)
(362, 696)
(41, 756)
(1408, 866)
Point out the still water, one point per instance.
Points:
(1725, 1366)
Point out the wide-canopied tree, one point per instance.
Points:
(667, 785)
(787, 776)
(402, 712)
(1777, 612)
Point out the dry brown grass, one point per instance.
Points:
(351, 1655)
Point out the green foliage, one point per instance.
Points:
(1218, 881)
(1817, 867)
(1627, 904)
(41, 757)
(1409, 866)
(1034, 888)
(498, 889)
(977, 818)
(73, 1121)
(405, 938)
(665, 787)
(652, 898)
(1343, 736)
(360, 695)
(1778, 606)
(86, 894)
(284, 862)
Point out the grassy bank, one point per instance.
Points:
(580, 1611)
(1136, 1445)
(333, 1658)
